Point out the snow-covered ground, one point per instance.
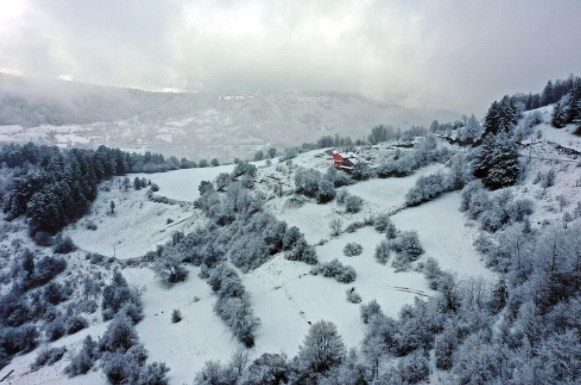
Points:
(184, 346)
(444, 235)
(182, 185)
(388, 194)
(137, 226)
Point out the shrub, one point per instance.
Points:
(336, 226)
(336, 270)
(383, 224)
(84, 360)
(64, 245)
(369, 310)
(407, 242)
(48, 356)
(382, 252)
(353, 296)
(427, 188)
(352, 249)
(353, 204)
(176, 316)
(75, 324)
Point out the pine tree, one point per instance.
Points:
(497, 164)
(559, 116)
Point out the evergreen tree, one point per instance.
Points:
(497, 162)
(501, 117)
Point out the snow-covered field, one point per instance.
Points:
(185, 346)
(182, 185)
(386, 195)
(444, 235)
(137, 226)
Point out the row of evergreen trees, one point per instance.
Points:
(552, 93)
(53, 187)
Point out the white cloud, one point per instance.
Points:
(448, 54)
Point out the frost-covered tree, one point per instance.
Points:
(322, 349)
(472, 131)
(501, 117)
(167, 265)
(497, 161)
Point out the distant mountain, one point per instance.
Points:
(193, 124)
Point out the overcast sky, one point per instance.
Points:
(450, 54)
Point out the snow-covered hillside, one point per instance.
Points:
(284, 294)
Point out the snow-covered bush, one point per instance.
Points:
(337, 177)
(335, 269)
(75, 323)
(352, 249)
(407, 242)
(353, 296)
(84, 360)
(353, 204)
(117, 295)
(268, 369)
(48, 356)
(336, 225)
(408, 248)
(444, 346)
(64, 245)
(383, 224)
(413, 368)
(428, 188)
(369, 310)
(382, 252)
(167, 265)
(233, 304)
(325, 191)
(19, 339)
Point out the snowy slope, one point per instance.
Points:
(182, 185)
(444, 235)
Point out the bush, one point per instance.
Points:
(55, 329)
(119, 335)
(75, 324)
(336, 270)
(118, 294)
(48, 356)
(353, 204)
(352, 249)
(428, 188)
(64, 245)
(20, 339)
(176, 316)
(383, 224)
(382, 252)
(325, 192)
(370, 310)
(407, 242)
(84, 360)
(336, 225)
(353, 296)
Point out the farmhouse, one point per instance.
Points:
(345, 161)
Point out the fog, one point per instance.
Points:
(458, 55)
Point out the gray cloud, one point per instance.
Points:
(447, 54)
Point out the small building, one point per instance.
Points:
(345, 161)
